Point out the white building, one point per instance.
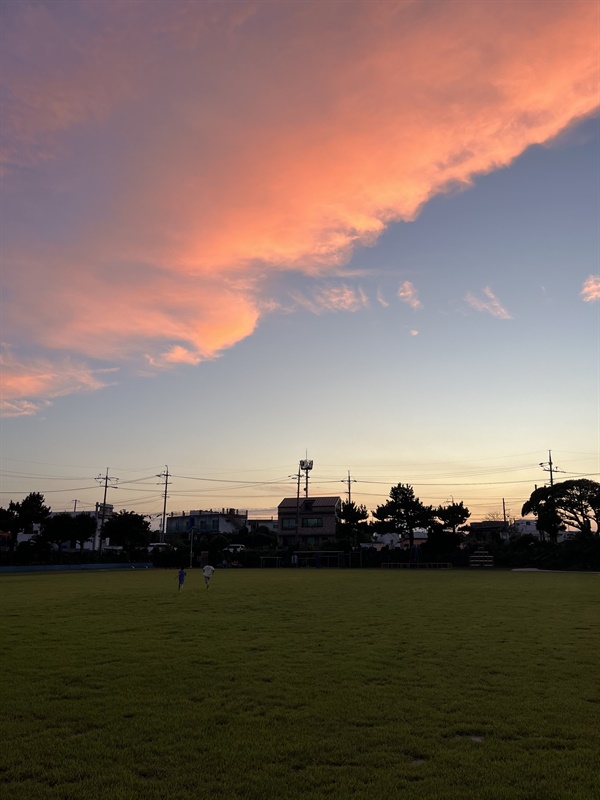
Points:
(226, 521)
(522, 527)
(395, 540)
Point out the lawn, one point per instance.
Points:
(300, 684)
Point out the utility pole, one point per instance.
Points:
(504, 511)
(304, 466)
(74, 506)
(298, 510)
(548, 466)
(106, 480)
(192, 532)
(164, 475)
(349, 480)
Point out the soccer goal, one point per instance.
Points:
(318, 558)
(271, 561)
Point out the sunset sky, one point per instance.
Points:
(237, 233)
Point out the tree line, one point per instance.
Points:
(402, 513)
(573, 503)
(126, 529)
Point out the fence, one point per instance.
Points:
(417, 565)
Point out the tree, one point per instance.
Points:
(351, 525)
(56, 530)
(9, 521)
(453, 515)
(217, 544)
(441, 544)
(24, 515)
(60, 528)
(128, 530)
(31, 511)
(9, 524)
(404, 512)
(84, 528)
(261, 537)
(574, 502)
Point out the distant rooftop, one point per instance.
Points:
(309, 503)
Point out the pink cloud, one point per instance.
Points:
(591, 288)
(120, 314)
(333, 298)
(408, 294)
(25, 379)
(381, 299)
(176, 355)
(489, 303)
(225, 142)
(21, 408)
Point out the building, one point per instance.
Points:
(420, 536)
(521, 527)
(227, 521)
(308, 521)
(272, 525)
(381, 540)
(488, 531)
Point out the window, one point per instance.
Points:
(288, 524)
(312, 522)
(215, 524)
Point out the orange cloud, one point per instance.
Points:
(408, 294)
(176, 355)
(120, 314)
(591, 288)
(491, 304)
(196, 148)
(42, 378)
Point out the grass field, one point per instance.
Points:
(300, 684)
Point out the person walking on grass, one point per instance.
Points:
(208, 571)
(181, 578)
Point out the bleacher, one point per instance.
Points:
(481, 558)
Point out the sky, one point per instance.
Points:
(238, 234)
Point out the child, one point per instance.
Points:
(208, 571)
(181, 578)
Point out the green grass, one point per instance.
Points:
(299, 684)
